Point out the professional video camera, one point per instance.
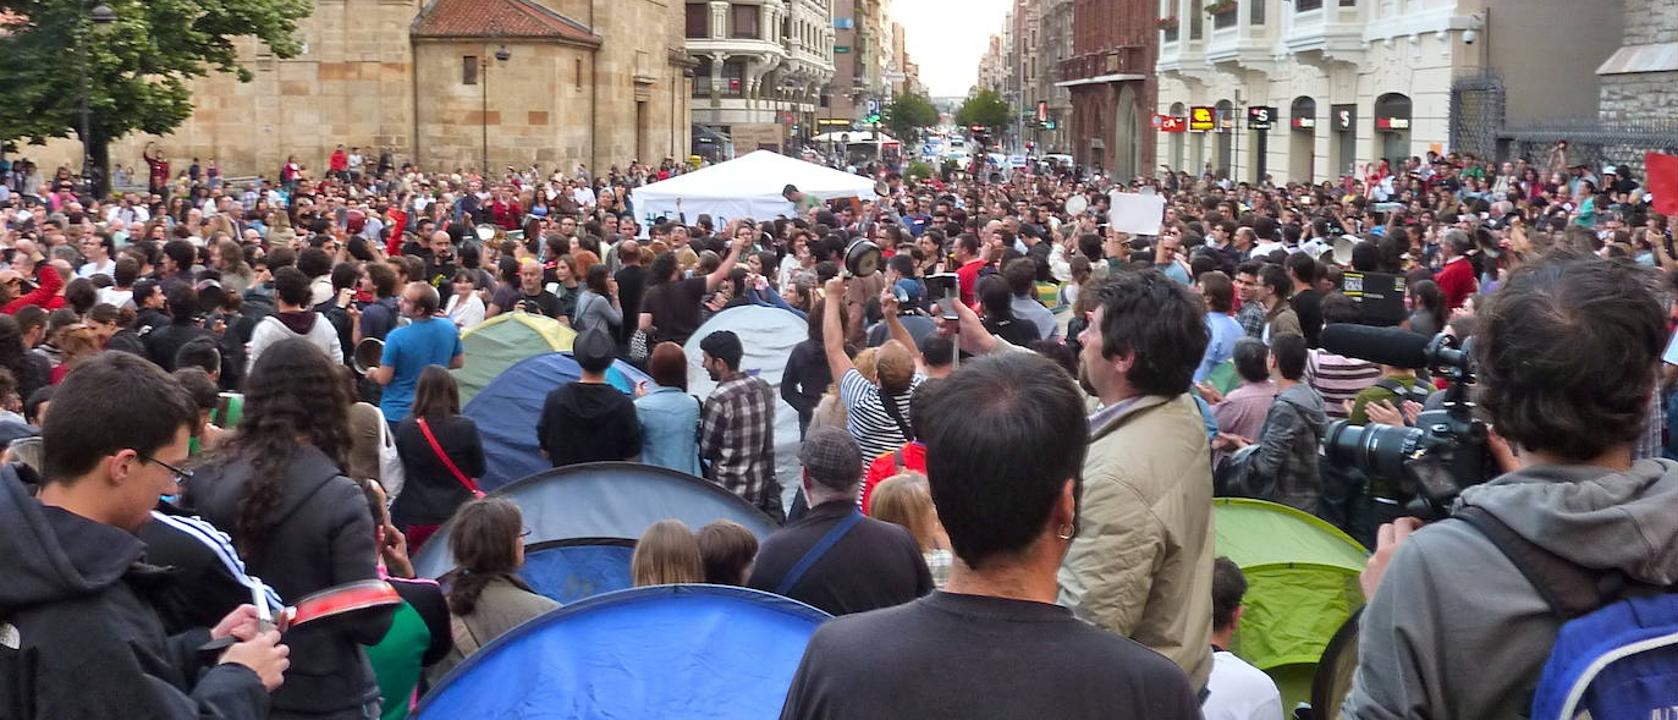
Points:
(1446, 450)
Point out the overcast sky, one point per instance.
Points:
(947, 37)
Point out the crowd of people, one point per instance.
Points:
(1011, 433)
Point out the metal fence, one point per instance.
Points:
(1477, 104)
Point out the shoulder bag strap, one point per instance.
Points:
(468, 483)
(1568, 589)
(890, 405)
(833, 536)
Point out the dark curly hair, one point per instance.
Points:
(1161, 321)
(292, 395)
(1579, 398)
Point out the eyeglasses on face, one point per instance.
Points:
(182, 475)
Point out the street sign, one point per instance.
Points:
(1203, 118)
(1345, 117)
(1050, 125)
(1261, 117)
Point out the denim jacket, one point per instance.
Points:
(670, 429)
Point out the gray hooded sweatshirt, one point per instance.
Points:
(1455, 630)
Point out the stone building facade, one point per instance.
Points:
(1351, 83)
(1640, 80)
(597, 82)
(1110, 75)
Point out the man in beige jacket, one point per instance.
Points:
(1141, 562)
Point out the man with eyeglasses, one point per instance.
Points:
(81, 635)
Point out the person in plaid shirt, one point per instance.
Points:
(737, 427)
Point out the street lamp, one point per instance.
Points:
(501, 55)
(100, 15)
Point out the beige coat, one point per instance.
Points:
(1141, 562)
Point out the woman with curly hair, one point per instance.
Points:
(278, 486)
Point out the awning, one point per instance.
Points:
(1115, 77)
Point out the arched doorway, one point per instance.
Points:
(1392, 128)
(1175, 139)
(1224, 161)
(1302, 139)
(1127, 136)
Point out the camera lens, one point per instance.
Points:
(1378, 450)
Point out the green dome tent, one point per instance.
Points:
(1302, 585)
(501, 342)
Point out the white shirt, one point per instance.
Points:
(1238, 691)
(113, 296)
(468, 314)
(90, 269)
(583, 195)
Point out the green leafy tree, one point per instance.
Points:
(137, 69)
(984, 108)
(907, 115)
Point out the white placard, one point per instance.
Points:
(1135, 213)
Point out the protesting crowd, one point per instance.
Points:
(221, 399)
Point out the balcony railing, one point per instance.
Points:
(1127, 60)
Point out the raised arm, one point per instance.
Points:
(894, 324)
(735, 247)
(833, 331)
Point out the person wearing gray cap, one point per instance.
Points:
(833, 558)
(589, 420)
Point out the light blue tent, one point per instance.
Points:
(507, 409)
(671, 651)
(604, 506)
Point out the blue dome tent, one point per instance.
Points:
(584, 519)
(507, 409)
(671, 651)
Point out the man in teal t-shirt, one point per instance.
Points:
(426, 340)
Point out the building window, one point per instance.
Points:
(469, 70)
(734, 77)
(743, 22)
(698, 20)
(1226, 20)
(1307, 5)
(702, 78)
(1197, 14)
(1258, 11)
(578, 75)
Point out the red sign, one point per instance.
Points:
(1392, 123)
(1171, 124)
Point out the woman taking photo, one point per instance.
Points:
(299, 523)
(485, 595)
(442, 457)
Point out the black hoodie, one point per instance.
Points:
(588, 422)
(78, 635)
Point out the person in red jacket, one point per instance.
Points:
(338, 165)
(1456, 278)
(49, 294)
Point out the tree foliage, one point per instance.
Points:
(137, 69)
(984, 108)
(908, 114)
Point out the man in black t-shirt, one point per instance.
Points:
(632, 285)
(1010, 517)
(532, 297)
(673, 302)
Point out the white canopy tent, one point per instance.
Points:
(745, 187)
(855, 136)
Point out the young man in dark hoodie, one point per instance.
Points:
(589, 420)
(1453, 628)
(79, 634)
